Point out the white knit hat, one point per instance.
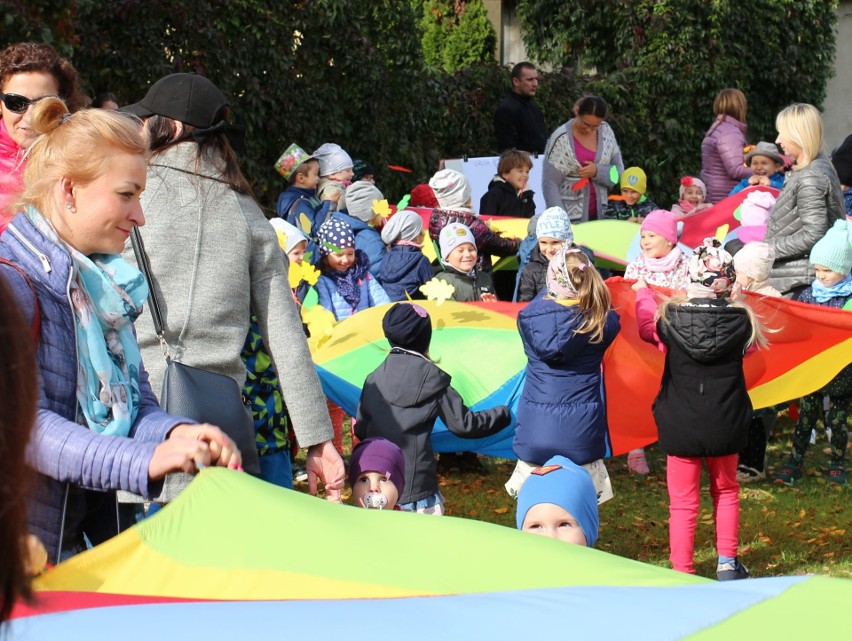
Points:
(331, 159)
(288, 235)
(755, 261)
(452, 236)
(451, 188)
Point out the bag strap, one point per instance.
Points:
(35, 324)
(145, 267)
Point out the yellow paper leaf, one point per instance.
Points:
(381, 208)
(438, 290)
(320, 322)
(722, 231)
(305, 223)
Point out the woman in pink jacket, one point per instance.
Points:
(722, 164)
(29, 71)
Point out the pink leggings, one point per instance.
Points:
(683, 476)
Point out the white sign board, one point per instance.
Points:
(480, 171)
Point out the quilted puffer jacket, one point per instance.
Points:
(807, 206)
(71, 459)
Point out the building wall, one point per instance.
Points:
(837, 108)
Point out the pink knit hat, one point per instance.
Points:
(689, 181)
(663, 223)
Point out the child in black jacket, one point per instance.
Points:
(507, 193)
(403, 397)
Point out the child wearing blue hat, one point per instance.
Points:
(552, 231)
(559, 500)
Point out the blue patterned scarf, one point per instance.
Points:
(107, 295)
(348, 283)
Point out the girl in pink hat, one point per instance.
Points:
(663, 264)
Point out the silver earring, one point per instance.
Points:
(71, 208)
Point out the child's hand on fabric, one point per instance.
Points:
(639, 284)
(325, 464)
(488, 298)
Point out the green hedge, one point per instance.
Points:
(313, 71)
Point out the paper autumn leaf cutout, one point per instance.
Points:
(320, 324)
(303, 271)
(381, 208)
(613, 174)
(738, 212)
(305, 224)
(402, 204)
(722, 232)
(438, 290)
(577, 186)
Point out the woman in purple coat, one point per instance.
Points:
(98, 427)
(722, 148)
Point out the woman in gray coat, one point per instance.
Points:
(809, 203)
(215, 261)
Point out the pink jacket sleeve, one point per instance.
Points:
(646, 308)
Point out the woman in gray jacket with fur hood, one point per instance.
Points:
(809, 203)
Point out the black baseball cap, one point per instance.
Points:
(186, 97)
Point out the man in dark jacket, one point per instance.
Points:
(518, 122)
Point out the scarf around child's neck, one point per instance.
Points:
(823, 294)
(667, 263)
(348, 283)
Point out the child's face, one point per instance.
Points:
(343, 176)
(631, 196)
(554, 521)
(308, 180)
(827, 277)
(693, 194)
(654, 245)
(463, 257)
(298, 252)
(370, 483)
(549, 247)
(764, 166)
(342, 261)
(518, 177)
(744, 281)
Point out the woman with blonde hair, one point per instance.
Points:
(722, 148)
(98, 427)
(809, 203)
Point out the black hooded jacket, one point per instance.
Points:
(400, 402)
(703, 407)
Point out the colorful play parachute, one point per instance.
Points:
(809, 345)
(478, 344)
(718, 220)
(236, 558)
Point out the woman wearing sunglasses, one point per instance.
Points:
(29, 71)
(579, 162)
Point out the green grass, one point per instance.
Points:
(783, 530)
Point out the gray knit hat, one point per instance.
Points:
(359, 200)
(403, 225)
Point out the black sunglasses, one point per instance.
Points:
(18, 104)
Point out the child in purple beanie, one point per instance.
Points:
(377, 474)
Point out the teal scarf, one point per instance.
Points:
(107, 295)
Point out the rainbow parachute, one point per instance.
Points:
(234, 557)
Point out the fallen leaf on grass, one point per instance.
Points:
(501, 510)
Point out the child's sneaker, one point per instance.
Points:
(746, 474)
(789, 474)
(300, 474)
(731, 571)
(637, 463)
(836, 474)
